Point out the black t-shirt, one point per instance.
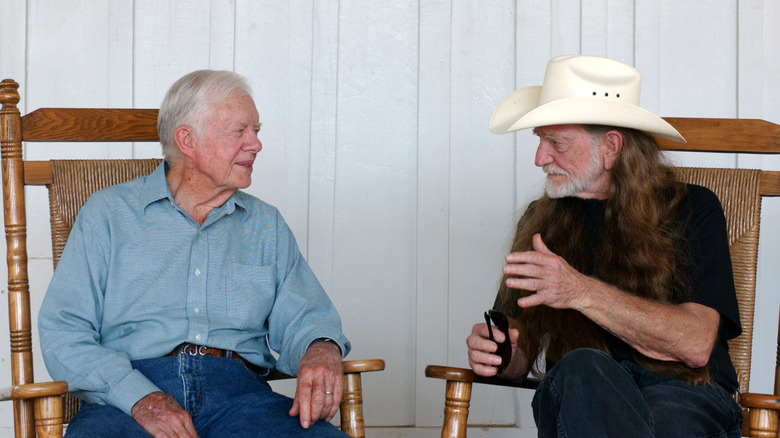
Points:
(710, 273)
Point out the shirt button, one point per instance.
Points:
(197, 337)
(197, 272)
(197, 310)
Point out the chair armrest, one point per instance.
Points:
(763, 410)
(33, 390)
(362, 366)
(46, 399)
(465, 375)
(760, 401)
(457, 394)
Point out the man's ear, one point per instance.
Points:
(184, 137)
(612, 144)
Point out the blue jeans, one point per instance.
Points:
(224, 398)
(589, 394)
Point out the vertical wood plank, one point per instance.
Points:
(647, 53)
(482, 175)
(566, 27)
(595, 29)
(120, 63)
(324, 111)
(533, 42)
(620, 30)
(433, 206)
(170, 39)
(72, 47)
(13, 43)
(276, 56)
(700, 82)
(323, 140)
(375, 204)
(222, 35)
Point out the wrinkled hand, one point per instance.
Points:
(162, 416)
(319, 389)
(555, 282)
(481, 350)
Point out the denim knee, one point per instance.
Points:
(587, 394)
(584, 361)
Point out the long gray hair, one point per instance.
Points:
(190, 98)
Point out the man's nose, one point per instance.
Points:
(543, 155)
(254, 145)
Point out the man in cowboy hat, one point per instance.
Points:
(619, 281)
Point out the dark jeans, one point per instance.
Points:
(224, 398)
(589, 394)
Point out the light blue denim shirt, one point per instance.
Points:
(138, 277)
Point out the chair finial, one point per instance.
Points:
(9, 93)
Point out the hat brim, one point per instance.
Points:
(520, 110)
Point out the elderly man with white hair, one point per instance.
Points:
(174, 288)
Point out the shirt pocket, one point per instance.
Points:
(249, 295)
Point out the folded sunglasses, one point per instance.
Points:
(504, 348)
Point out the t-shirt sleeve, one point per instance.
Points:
(711, 272)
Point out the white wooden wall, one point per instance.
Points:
(376, 146)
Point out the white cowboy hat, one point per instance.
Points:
(584, 90)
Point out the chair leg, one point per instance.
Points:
(352, 406)
(24, 416)
(456, 409)
(762, 423)
(48, 416)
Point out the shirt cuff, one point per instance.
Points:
(129, 390)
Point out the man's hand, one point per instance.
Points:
(320, 377)
(160, 415)
(482, 351)
(555, 282)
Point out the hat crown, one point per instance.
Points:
(590, 77)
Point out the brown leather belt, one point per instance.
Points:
(201, 350)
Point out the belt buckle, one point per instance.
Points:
(193, 350)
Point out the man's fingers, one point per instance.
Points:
(530, 301)
(303, 401)
(295, 408)
(526, 283)
(161, 415)
(319, 403)
(334, 406)
(524, 270)
(317, 400)
(335, 400)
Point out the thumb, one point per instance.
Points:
(539, 245)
